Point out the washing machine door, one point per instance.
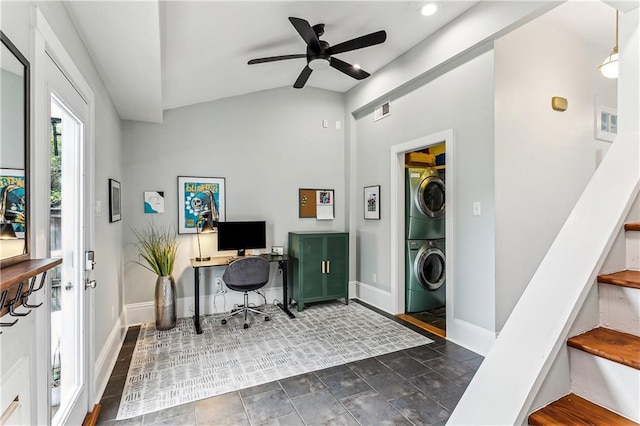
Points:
(430, 197)
(430, 267)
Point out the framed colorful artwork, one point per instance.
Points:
(199, 197)
(13, 200)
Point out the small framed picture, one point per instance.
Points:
(606, 123)
(115, 212)
(153, 202)
(372, 202)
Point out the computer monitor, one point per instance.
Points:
(242, 235)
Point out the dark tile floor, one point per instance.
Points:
(419, 386)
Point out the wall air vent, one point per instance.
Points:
(382, 111)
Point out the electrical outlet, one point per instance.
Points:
(374, 278)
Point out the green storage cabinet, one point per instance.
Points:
(320, 269)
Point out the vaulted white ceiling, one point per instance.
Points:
(155, 56)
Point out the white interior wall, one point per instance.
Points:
(266, 145)
(544, 158)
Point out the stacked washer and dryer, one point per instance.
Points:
(425, 234)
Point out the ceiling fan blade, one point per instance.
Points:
(276, 58)
(358, 43)
(302, 78)
(306, 32)
(348, 69)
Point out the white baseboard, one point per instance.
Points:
(108, 357)
(374, 296)
(470, 336)
(138, 313)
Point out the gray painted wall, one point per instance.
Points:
(544, 158)
(266, 145)
(107, 297)
(434, 107)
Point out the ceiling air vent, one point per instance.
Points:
(382, 111)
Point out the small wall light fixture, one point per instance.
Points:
(558, 103)
(609, 67)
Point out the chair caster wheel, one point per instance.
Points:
(224, 322)
(246, 326)
(266, 318)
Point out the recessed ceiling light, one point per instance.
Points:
(429, 9)
(356, 66)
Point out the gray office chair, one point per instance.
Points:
(246, 274)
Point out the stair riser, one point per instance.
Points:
(619, 308)
(606, 383)
(633, 250)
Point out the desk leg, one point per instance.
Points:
(196, 317)
(285, 297)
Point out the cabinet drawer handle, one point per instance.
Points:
(328, 266)
(323, 267)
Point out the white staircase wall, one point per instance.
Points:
(620, 308)
(606, 383)
(633, 238)
(633, 250)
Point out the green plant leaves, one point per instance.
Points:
(158, 247)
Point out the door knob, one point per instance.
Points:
(89, 283)
(69, 286)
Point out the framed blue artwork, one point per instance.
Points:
(153, 202)
(198, 199)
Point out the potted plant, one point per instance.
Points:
(158, 247)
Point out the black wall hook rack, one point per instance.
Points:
(22, 276)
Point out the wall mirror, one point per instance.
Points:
(14, 154)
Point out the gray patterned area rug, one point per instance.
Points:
(174, 367)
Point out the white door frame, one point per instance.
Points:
(397, 197)
(46, 43)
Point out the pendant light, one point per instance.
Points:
(609, 67)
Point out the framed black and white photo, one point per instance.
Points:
(115, 211)
(372, 202)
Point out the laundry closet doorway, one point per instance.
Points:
(431, 250)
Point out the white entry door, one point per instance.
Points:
(68, 119)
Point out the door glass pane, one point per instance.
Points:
(65, 369)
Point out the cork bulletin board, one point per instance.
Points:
(316, 203)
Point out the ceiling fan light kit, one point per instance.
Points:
(320, 53)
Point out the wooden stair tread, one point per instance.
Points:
(625, 278)
(634, 226)
(613, 345)
(576, 411)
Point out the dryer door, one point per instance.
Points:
(430, 197)
(430, 268)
